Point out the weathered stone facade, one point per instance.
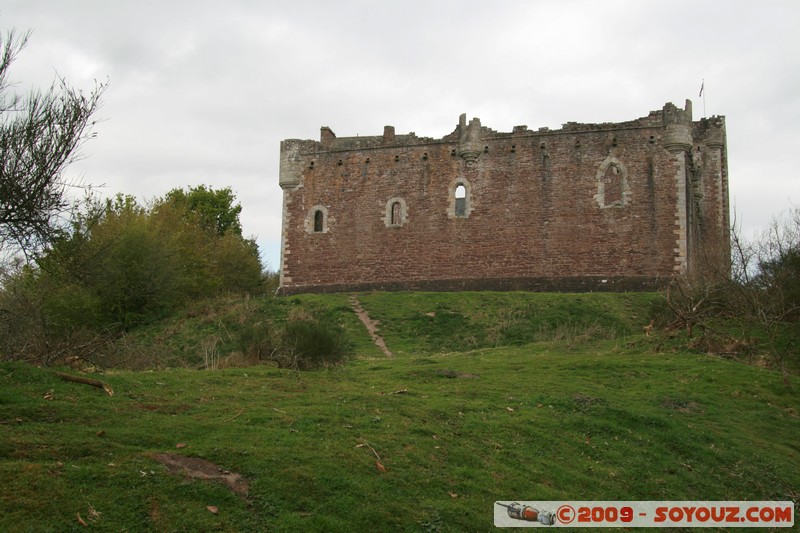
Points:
(621, 206)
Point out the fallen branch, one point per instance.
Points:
(365, 443)
(86, 381)
(234, 417)
(401, 391)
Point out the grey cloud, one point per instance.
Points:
(203, 92)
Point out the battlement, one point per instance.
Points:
(329, 142)
(672, 114)
(669, 116)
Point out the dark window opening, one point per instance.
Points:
(461, 201)
(461, 207)
(396, 220)
(318, 221)
(612, 186)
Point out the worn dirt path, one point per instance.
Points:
(371, 325)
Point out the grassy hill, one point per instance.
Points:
(490, 396)
(410, 322)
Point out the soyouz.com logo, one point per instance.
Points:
(643, 514)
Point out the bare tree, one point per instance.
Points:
(774, 295)
(758, 289)
(40, 135)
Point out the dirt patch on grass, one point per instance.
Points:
(164, 409)
(440, 373)
(584, 403)
(196, 468)
(683, 406)
(452, 374)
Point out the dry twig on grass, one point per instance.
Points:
(365, 443)
(86, 381)
(234, 417)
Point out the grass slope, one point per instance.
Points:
(607, 419)
(410, 322)
(180, 341)
(423, 322)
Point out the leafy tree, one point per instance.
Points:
(214, 209)
(136, 263)
(40, 135)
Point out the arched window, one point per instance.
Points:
(612, 186)
(460, 199)
(396, 214)
(319, 221)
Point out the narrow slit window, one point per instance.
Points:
(396, 214)
(319, 220)
(461, 201)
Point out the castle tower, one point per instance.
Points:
(678, 141)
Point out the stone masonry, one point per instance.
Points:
(622, 206)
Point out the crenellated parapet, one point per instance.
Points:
(469, 139)
(291, 164)
(711, 132)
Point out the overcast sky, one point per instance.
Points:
(203, 92)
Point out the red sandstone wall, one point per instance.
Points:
(535, 221)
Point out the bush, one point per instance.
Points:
(121, 265)
(257, 340)
(302, 343)
(313, 344)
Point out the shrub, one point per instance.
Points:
(309, 343)
(257, 340)
(302, 343)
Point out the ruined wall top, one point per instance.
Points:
(677, 123)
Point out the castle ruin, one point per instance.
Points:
(612, 206)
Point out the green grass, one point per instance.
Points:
(491, 396)
(410, 322)
(179, 340)
(444, 322)
(596, 419)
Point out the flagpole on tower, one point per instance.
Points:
(703, 94)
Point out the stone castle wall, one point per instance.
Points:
(621, 206)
